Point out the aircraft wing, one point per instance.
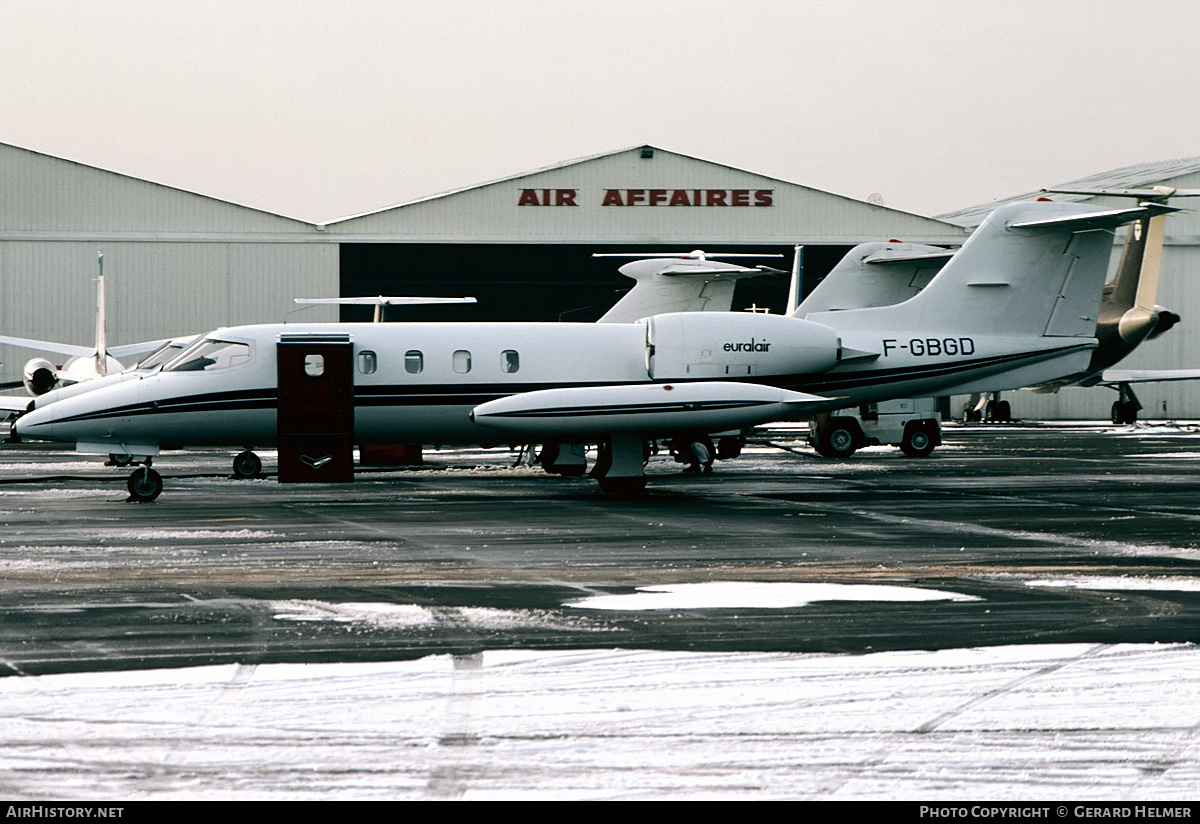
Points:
(658, 408)
(1114, 376)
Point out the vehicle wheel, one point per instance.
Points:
(837, 441)
(144, 485)
(1131, 412)
(246, 465)
(120, 460)
(917, 442)
(1004, 412)
(623, 487)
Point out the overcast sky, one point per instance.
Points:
(323, 109)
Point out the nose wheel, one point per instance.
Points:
(247, 465)
(144, 485)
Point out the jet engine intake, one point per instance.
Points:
(40, 376)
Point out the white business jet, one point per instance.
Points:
(1017, 305)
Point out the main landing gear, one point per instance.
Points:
(1125, 408)
(621, 465)
(144, 484)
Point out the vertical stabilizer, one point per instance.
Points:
(1033, 269)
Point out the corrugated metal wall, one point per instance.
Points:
(175, 262)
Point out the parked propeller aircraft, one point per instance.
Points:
(1017, 305)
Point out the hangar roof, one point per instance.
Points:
(641, 194)
(1138, 176)
(49, 198)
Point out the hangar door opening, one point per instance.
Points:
(519, 282)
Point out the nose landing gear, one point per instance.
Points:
(144, 485)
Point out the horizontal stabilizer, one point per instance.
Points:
(14, 403)
(882, 258)
(50, 346)
(650, 409)
(731, 272)
(1152, 193)
(697, 254)
(383, 301)
(1101, 219)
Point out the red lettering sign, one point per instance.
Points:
(652, 197)
(612, 197)
(561, 197)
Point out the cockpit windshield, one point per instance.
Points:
(163, 354)
(209, 354)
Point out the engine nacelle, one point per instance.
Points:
(40, 376)
(733, 345)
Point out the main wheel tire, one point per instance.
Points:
(917, 442)
(246, 465)
(120, 459)
(623, 487)
(144, 485)
(838, 440)
(1004, 412)
(1118, 412)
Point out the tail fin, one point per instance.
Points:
(686, 283)
(1033, 269)
(876, 274)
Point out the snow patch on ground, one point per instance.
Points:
(755, 595)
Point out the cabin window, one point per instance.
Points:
(414, 361)
(510, 361)
(208, 354)
(462, 361)
(367, 362)
(314, 365)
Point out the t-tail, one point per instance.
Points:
(1029, 269)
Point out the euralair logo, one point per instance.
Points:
(751, 346)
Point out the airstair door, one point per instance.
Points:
(316, 409)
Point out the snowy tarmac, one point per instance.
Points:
(1012, 618)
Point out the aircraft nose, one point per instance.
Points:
(36, 423)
